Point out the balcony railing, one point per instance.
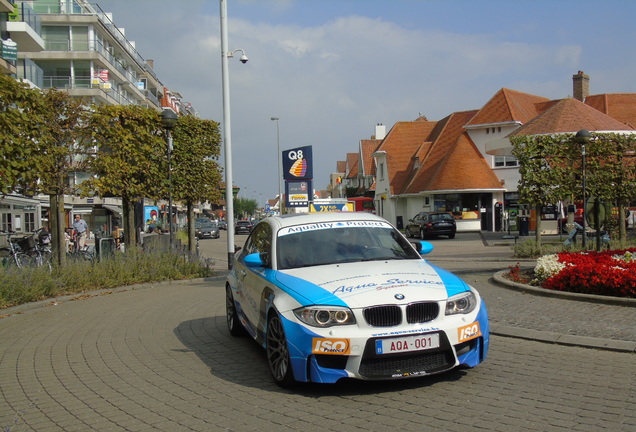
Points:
(67, 83)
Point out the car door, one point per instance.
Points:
(251, 280)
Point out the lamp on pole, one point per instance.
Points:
(278, 156)
(169, 120)
(583, 137)
(227, 131)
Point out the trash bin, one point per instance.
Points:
(399, 223)
(524, 226)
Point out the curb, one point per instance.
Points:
(614, 301)
(558, 338)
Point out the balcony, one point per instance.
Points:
(25, 29)
(6, 6)
(86, 87)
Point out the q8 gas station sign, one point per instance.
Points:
(298, 173)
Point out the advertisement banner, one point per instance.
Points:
(298, 164)
(298, 193)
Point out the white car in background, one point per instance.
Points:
(345, 295)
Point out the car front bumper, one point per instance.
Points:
(361, 361)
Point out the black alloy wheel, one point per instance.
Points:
(278, 354)
(233, 323)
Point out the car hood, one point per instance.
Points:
(374, 282)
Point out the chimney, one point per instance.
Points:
(581, 83)
(150, 63)
(380, 131)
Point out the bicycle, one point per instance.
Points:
(78, 252)
(12, 254)
(39, 249)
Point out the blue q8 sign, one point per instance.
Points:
(297, 164)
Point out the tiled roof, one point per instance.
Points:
(452, 162)
(367, 147)
(620, 106)
(570, 115)
(401, 143)
(352, 165)
(508, 105)
(341, 166)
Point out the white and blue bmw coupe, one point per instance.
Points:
(345, 295)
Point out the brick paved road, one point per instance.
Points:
(160, 358)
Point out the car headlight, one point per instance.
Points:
(325, 316)
(463, 303)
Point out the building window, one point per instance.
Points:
(506, 161)
(6, 222)
(381, 169)
(29, 222)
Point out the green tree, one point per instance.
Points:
(196, 173)
(131, 159)
(545, 170)
(61, 153)
(244, 207)
(21, 117)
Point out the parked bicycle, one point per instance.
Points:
(39, 248)
(12, 254)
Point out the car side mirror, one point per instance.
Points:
(254, 260)
(424, 247)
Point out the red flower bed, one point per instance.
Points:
(611, 273)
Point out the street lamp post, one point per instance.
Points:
(227, 131)
(169, 120)
(583, 137)
(278, 156)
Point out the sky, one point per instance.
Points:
(331, 70)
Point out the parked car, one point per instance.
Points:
(207, 229)
(345, 295)
(427, 224)
(243, 227)
(222, 225)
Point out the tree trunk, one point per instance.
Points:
(622, 232)
(537, 233)
(191, 226)
(130, 233)
(57, 225)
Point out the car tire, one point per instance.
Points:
(278, 353)
(408, 233)
(233, 323)
(422, 235)
(451, 236)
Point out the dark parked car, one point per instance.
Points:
(243, 227)
(427, 224)
(207, 229)
(223, 225)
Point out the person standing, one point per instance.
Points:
(81, 228)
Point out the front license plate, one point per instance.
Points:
(407, 343)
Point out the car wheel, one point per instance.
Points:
(277, 353)
(422, 235)
(233, 323)
(451, 236)
(408, 233)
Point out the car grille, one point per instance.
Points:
(391, 315)
(415, 364)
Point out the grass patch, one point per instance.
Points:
(23, 285)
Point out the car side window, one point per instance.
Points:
(260, 241)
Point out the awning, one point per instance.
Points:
(113, 208)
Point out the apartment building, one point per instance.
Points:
(74, 45)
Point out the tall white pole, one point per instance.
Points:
(278, 158)
(227, 137)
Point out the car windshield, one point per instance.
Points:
(313, 244)
(207, 225)
(441, 217)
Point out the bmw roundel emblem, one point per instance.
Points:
(399, 296)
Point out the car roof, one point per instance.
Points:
(292, 219)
